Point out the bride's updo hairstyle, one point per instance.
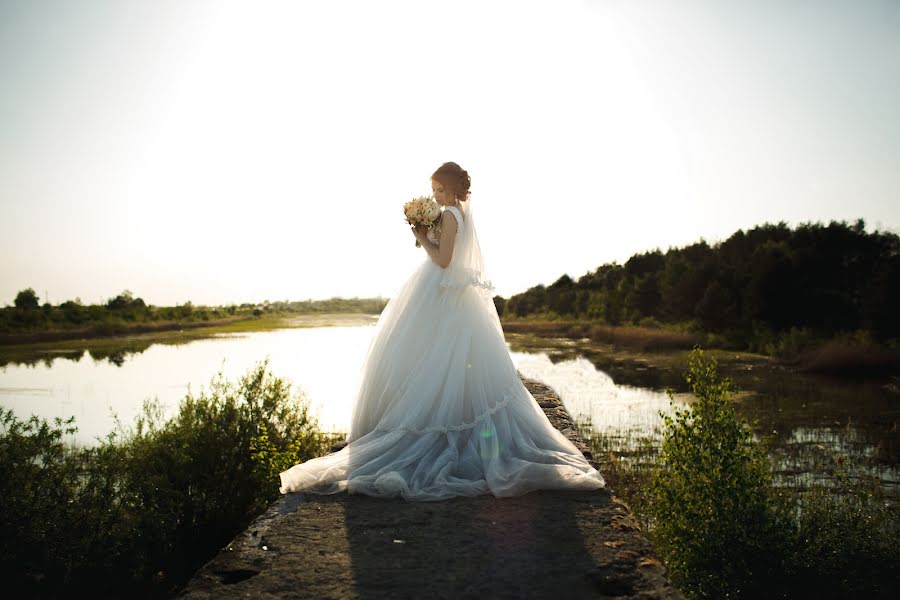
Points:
(453, 177)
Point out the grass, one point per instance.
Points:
(120, 345)
(850, 358)
(848, 355)
(235, 324)
(631, 337)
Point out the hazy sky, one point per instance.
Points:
(219, 152)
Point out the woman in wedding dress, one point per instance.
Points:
(440, 410)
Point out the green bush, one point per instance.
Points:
(846, 543)
(715, 517)
(138, 515)
(725, 531)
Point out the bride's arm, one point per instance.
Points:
(443, 253)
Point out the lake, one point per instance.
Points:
(808, 420)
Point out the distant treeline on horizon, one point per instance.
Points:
(27, 314)
(28, 299)
(818, 279)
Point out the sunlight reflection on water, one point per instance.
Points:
(322, 362)
(591, 396)
(325, 364)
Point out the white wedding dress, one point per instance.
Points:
(440, 410)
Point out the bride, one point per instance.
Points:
(440, 410)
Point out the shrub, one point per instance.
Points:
(138, 516)
(847, 543)
(715, 517)
(725, 531)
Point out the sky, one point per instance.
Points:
(221, 152)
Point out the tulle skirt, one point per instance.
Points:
(440, 410)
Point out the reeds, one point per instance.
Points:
(850, 358)
(633, 337)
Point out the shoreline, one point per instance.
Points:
(73, 347)
(839, 357)
(126, 330)
(632, 352)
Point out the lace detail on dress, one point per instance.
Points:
(507, 395)
(434, 234)
(466, 278)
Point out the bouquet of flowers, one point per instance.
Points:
(423, 210)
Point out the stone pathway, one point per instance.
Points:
(545, 544)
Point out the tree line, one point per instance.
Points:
(820, 279)
(27, 314)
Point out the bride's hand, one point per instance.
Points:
(419, 231)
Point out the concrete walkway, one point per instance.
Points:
(545, 544)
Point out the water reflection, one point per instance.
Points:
(116, 352)
(321, 362)
(806, 420)
(592, 396)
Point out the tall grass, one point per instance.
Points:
(632, 337)
(855, 353)
(138, 513)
